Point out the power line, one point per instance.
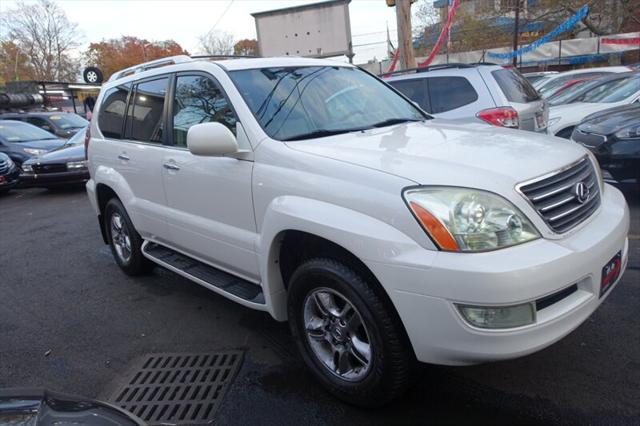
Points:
(221, 16)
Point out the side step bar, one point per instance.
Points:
(203, 274)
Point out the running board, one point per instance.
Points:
(203, 274)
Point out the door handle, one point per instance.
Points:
(124, 157)
(171, 166)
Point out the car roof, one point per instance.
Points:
(34, 113)
(276, 62)
(445, 69)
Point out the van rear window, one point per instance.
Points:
(514, 86)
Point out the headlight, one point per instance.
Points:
(630, 132)
(464, 219)
(26, 168)
(77, 164)
(34, 151)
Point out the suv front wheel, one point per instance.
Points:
(124, 240)
(347, 334)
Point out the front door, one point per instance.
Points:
(210, 207)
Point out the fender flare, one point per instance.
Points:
(367, 238)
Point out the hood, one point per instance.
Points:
(61, 155)
(580, 108)
(441, 152)
(611, 120)
(48, 144)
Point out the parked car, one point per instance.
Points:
(613, 136)
(574, 82)
(61, 124)
(311, 190)
(548, 86)
(484, 93)
(22, 141)
(563, 118)
(589, 89)
(9, 173)
(535, 77)
(65, 166)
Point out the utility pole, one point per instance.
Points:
(405, 42)
(516, 31)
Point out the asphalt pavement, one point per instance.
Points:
(70, 321)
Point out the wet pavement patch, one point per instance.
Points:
(178, 388)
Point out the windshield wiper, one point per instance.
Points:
(392, 121)
(321, 133)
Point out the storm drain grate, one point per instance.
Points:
(178, 388)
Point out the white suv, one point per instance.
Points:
(311, 190)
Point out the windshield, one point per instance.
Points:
(68, 121)
(304, 102)
(563, 96)
(14, 131)
(619, 92)
(77, 139)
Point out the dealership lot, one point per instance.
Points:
(71, 321)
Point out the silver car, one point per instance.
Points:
(488, 93)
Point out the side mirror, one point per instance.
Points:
(211, 140)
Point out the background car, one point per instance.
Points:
(548, 86)
(569, 84)
(65, 166)
(8, 173)
(614, 137)
(487, 93)
(564, 118)
(62, 124)
(588, 89)
(534, 77)
(22, 141)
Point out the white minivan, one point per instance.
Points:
(313, 191)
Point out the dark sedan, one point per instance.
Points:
(65, 166)
(9, 173)
(613, 136)
(61, 124)
(22, 141)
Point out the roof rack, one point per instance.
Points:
(171, 60)
(434, 67)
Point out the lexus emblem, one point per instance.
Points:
(581, 191)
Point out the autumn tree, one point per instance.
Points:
(246, 47)
(42, 33)
(14, 65)
(216, 43)
(116, 54)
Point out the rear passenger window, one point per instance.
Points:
(447, 93)
(416, 90)
(111, 115)
(515, 87)
(199, 100)
(145, 121)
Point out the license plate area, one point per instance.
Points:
(610, 273)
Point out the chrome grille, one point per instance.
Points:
(4, 166)
(49, 168)
(565, 198)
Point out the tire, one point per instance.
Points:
(565, 133)
(126, 244)
(386, 374)
(92, 75)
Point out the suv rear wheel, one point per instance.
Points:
(347, 334)
(124, 240)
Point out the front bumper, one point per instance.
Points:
(424, 295)
(75, 177)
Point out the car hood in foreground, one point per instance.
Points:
(444, 153)
(611, 120)
(48, 144)
(62, 155)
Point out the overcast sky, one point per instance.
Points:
(185, 20)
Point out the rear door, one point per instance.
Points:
(131, 119)
(512, 89)
(210, 213)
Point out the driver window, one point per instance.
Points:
(198, 99)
